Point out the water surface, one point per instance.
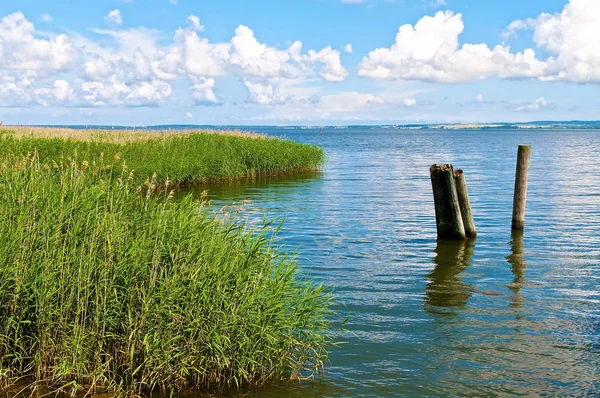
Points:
(505, 315)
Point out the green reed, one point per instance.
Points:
(109, 287)
(184, 158)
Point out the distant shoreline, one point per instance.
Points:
(536, 125)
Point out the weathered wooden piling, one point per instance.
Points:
(521, 177)
(464, 204)
(447, 210)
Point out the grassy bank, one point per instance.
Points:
(186, 157)
(106, 289)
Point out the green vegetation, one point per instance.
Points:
(183, 158)
(108, 284)
(107, 288)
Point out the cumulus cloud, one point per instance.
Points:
(62, 90)
(134, 67)
(255, 58)
(20, 48)
(479, 98)
(194, 22)
(199, 56)
(149, 93)
(188, 115)
(348, 48)
(265, 93)
(332, 70)
(572, 37)
(114, 18)
(261, 66)
(115, 92)
(429, 51)
(203, 91)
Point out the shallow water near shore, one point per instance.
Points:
(507, 314)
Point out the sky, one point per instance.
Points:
(303, 62)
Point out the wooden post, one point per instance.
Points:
(447, 210)
(464, 203)
(520, 197)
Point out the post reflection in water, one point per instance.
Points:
(518, 266)
(445, 287)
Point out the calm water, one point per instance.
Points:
(506, 315)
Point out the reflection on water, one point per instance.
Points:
(244, 188)
(516, 259)
(445, 287)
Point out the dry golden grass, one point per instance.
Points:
(114, 136)
(183, 156)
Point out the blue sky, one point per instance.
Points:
(140, 62)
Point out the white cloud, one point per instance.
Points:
(257, 59)
(429, 51)
(115, 92)
(194, 22)
(203, 91)
(131, 67)
(265, 93)
(409, 102)
(114, 18)
(332, 70)
(479, 98)
(188, 115)
(573, 38)
(27, 89)
(173, 2)
(21, 49)
(62, 90)
(46, 18)
(149, 93)
(199, 56)
(513, 28)
(348, 48)
(100, 94)
(535, 105)
(437, 3)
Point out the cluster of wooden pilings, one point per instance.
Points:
(453, 215)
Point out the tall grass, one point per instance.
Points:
(183, 158)
(104, 287)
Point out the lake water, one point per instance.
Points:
(508, 314)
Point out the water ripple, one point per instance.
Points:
(506, 315)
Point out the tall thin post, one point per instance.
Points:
(521, 177)
(464, 203)
(447, 210)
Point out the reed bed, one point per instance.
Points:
(115, 135)
(108, 287)
(184, 157)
